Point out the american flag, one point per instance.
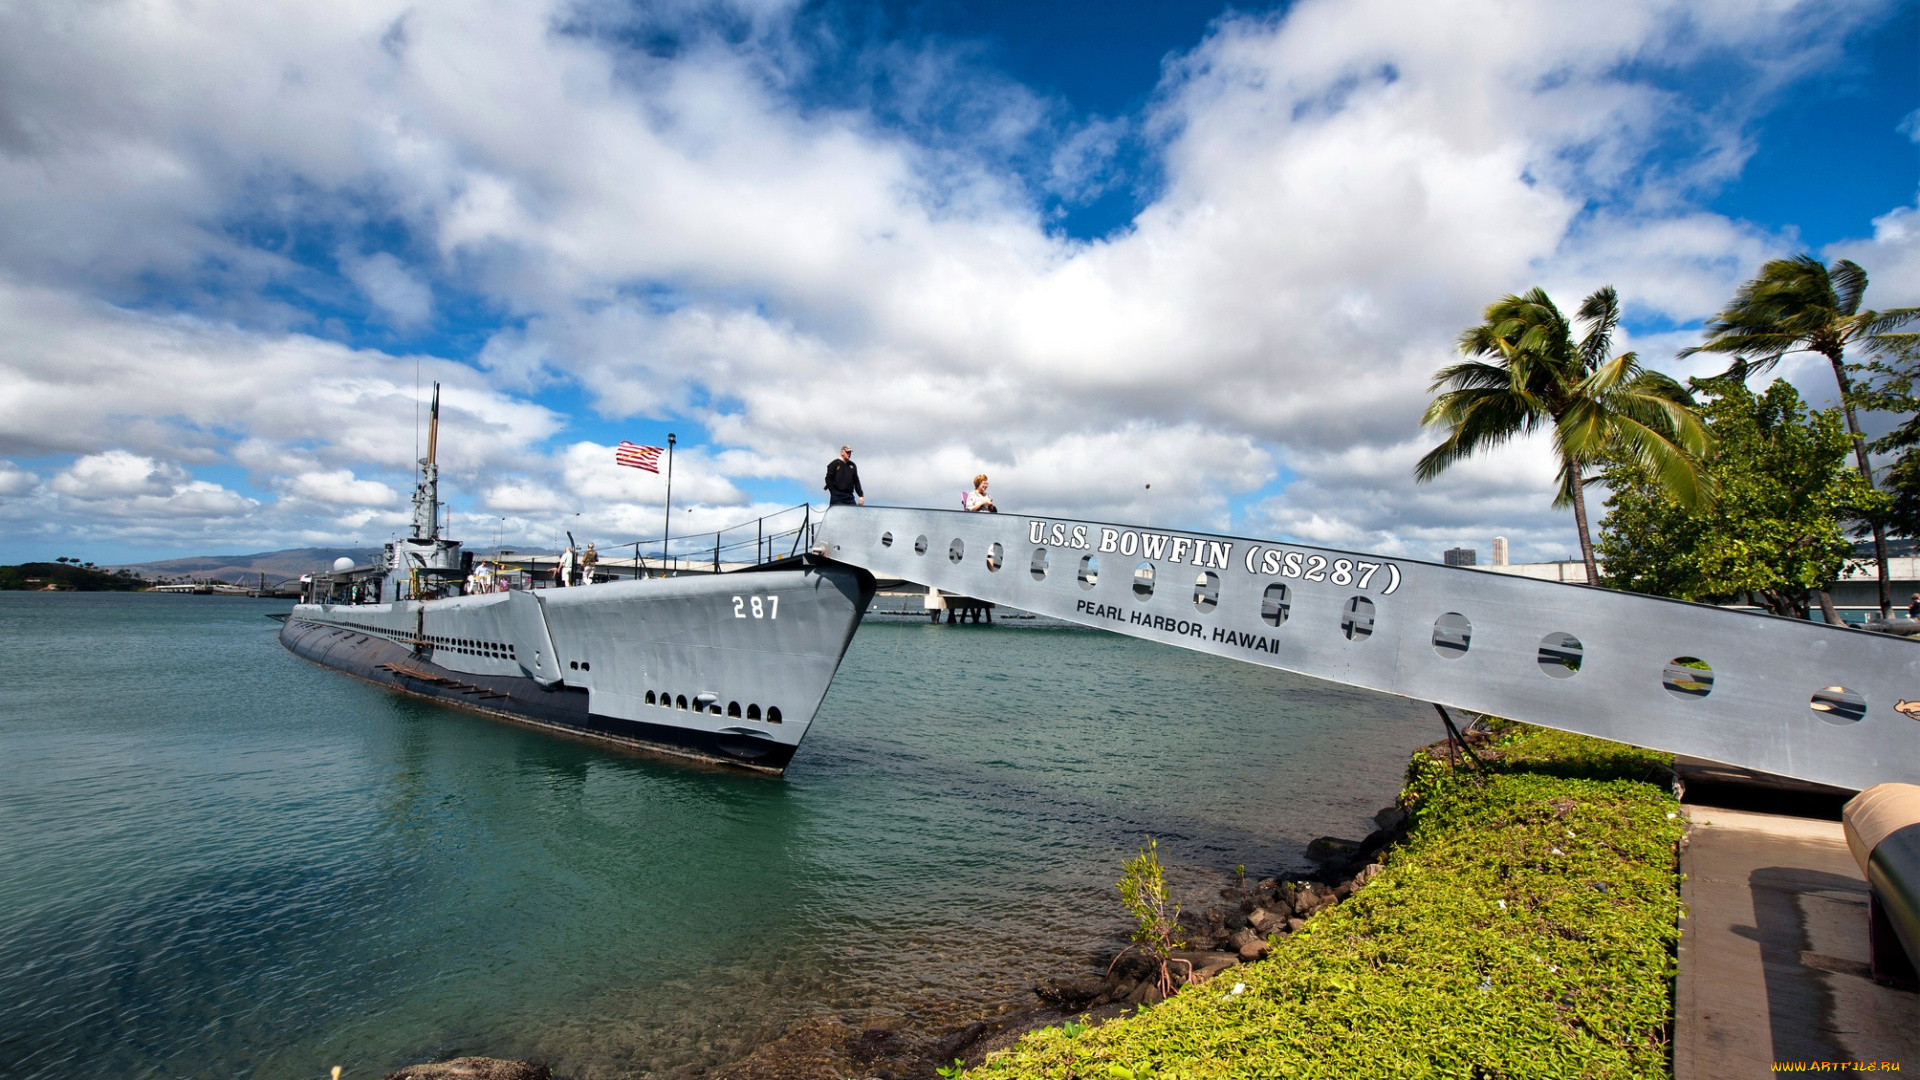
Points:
(638, 457)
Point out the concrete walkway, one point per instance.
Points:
(1773, 953)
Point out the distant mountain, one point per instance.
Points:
(277, 565)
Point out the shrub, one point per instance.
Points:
(1525, 930)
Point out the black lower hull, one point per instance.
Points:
(521, 700)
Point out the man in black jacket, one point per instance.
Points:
(843, 480)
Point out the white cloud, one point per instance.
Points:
(15, 481)
(1346, 185)
(120, 484)
(341, 488)
(1891, 258)
(406, 300)
(118, 473)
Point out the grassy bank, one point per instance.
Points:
(71, 576)
(1525, 929)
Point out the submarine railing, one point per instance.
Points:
(709, 549)
(1828, 704)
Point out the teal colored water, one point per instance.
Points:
(217, 860)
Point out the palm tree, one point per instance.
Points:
(1799, 305)
(1527, 373)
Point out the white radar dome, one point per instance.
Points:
(342, 564)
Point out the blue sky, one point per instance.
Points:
(1081, 247)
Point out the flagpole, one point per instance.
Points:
(668, 530)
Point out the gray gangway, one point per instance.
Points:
(1821, 703)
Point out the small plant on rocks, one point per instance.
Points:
(1143, 889)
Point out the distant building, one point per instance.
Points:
(1499, 551)
(1461, 556)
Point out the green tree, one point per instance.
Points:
(1801, 305)
(1893, 386)
(1776, 536)
(1526, 372)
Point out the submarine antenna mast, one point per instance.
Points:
(426, 497)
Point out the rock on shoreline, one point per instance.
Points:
(473, 1068)
(1220, 938)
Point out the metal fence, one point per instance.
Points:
(782, 534)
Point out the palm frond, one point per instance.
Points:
(1877, 324)
(1849, 283)
(1601, 312)
(1470, 374)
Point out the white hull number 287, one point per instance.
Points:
(762, 607)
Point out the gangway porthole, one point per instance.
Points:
(995, 556)
(1143, 582)
(1839, 705)
(920, 545)
(1356, 619)
(1452, 635)
(1560, 655)
(1688, 678)
(1038, 567)
(886, 539)
(956, 551)
(1206, 591)
(1089, 571)
(1276, 603)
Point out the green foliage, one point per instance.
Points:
(1143, 889)
(1801, 305)
(1778, 532)
(1525, 930)
(67, 575)
(1526, 372)
(953, 1071)
(1893, 386)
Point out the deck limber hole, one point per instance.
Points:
(1356, 619)
(1688, 678)
(1452, 635)
(1560, 655)
(1838, 705)
(1276, 603)
(1206, 591)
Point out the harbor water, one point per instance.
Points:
(217, 860)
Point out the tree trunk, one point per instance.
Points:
(1826, 608)
(1580, 523)
(1866, 470)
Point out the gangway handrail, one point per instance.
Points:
(1822, 703)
